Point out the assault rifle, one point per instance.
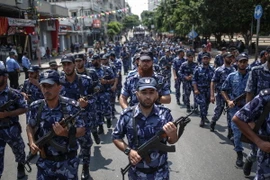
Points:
(47, 138)
(235, 101)
(5, 106)
(155, 142)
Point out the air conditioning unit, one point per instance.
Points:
(19, 1)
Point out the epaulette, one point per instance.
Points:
(37, 102)
(128, 109)
(66, 100)
(84, 76)
(265, 92)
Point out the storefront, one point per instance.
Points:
(16, 32)
(49, 35)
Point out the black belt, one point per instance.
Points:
(62, 157)
(150, 170)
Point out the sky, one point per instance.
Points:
(137, 6)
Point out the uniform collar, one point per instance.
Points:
(5, 90)
(265, 66)
(138, 112)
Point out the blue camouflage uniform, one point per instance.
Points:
(234, 85)
(202, 77)
(10, 128)
(146, 127)
(185, 70)
(82, 86)
(103, 98)
(258, 79)
(118, 65)
(165, 64)
(177, 62)
(34, 93)
(250, 113)
(51, 167)
(129, 87)
(218, 78)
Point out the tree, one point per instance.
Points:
(147, 19)
(113, 28)
(129, 22)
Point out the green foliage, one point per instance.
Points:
(208, 17)
(147, 18)
(130, 21)
(114, 28)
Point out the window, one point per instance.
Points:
(74, 14)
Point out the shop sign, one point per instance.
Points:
(21, 22)
(96, 23)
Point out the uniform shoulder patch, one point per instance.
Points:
(128, 109)
(265, 92)
(37, 102)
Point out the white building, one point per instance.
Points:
(152, 4)
(89, 20)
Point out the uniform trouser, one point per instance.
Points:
(252, 156)
(126, 65)
(168, 78)
(86, 142)
(177, 85)
(25, 70)
(12, 136)
(104, 107)
(51, 170)
(203, 101)
(187, 89)
(14, 79)
(236, 132)
(113, 95)
(220, 104)
(119, 86)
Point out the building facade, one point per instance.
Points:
(87, 20)
(152, 4)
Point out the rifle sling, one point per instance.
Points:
(134, 124)
(262, 117)
(65, 114)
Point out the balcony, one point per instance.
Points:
(44, 8)
(59, 11)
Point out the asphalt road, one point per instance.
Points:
(200, 154)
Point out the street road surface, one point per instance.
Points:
(200, 154)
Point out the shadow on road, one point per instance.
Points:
(106, 138)
(98, 161)
(224, 139)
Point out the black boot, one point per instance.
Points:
(20, 171)
(85, 172)
(247, 167)
(96, 137)
(239, 160)
(188, 109)
(212, 126)
(230, 133)
(202, 122)
(109, 123)
(178, 101)
(100, 129)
